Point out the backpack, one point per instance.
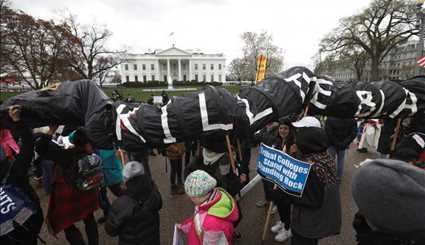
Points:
(88, 173)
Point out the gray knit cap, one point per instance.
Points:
(391, 195)
(199, 183)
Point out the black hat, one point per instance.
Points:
(410, 147)
(391, 195)
(311, 140)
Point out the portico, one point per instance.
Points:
(173, 69)
(174, 65)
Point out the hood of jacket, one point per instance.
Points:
(140, 187)
(222, 205)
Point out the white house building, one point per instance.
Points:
(173, 64)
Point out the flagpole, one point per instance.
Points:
(170, 39)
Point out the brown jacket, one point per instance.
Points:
(175, 151)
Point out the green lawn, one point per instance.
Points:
(136, 93)
(6, 95)
(140, 95)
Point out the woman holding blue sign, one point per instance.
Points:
(317, 214)
(283, 141)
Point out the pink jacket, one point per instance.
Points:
(212, 222)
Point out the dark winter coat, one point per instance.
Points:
(318, 213)
(384, 144)
(67, 204)
(366, 236)
(18, 176)
(134, 216)
(341, 132)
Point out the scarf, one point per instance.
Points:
(324, 166)
(210, 157)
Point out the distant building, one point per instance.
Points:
(399, 64)
(173, 64)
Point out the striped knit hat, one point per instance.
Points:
(199, 183)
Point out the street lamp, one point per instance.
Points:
(421, 22)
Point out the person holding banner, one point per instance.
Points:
(283, 142)
(15, 161)
(317, 214)
(216, 162)
(69, 202)
(175, 153)
(267, 136)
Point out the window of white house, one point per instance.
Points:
(126, 67)
(136, 78)
(143, 67)
(153, 78)
(204, 66)
(204, 78)
(196, 77)
(219, 66)
(144, 78)
(212, 67)
(135, 66)
(212, 78)
(152, 67)
(127, 78)
(196, 66)
(219, 78)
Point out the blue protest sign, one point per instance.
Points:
(15, 207)
(285, 171)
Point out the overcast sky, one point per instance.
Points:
(210, 25)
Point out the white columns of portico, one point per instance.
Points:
(157, 73)
(190, 71)
(169, 80)
(180, 69)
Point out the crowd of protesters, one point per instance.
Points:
(389, 193)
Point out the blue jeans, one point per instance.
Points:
(47, 169)
(339, 155)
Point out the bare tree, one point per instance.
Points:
(5, 49)
(327, 66)
(349, 58)
(89, 55)
(237, 70)
(33, 49)
(355, 59)
(116, 79)
(377, 30)
(256, 44)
